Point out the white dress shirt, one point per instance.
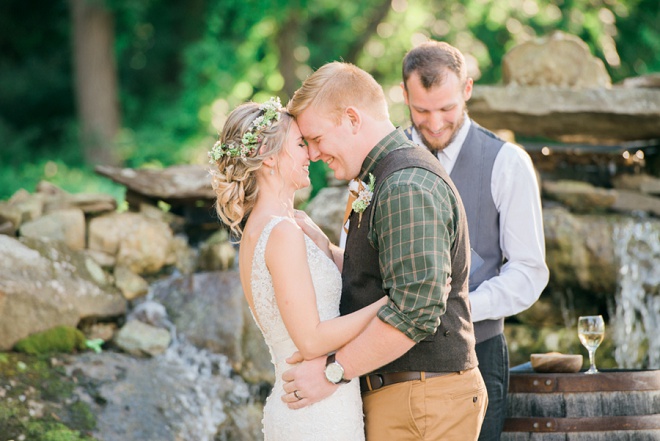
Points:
(516, 194)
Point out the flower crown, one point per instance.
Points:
(251, 138)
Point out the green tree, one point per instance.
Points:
(182, 66)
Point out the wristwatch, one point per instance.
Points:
(334, 372)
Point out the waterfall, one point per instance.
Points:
(201, 387)
(635, 316)
(197, 409)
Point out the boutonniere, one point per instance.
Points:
(364, 194)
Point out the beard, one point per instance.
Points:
(439, 145)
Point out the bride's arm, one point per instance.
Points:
(286, 258)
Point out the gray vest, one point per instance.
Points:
(451, 348)
(472, 176)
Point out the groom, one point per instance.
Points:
(416, 360)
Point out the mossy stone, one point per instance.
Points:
(26, 379)
(58, 339)
(42, 431)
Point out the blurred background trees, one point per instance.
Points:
(148, 83)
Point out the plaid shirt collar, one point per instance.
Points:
(395, 139)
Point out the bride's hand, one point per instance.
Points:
(305, 384)
(313, 231)
(295, 358)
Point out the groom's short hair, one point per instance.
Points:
(336, 86)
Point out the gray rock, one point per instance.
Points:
(10, 218)
(583, 115)
(143, 245)
(209, 309)
(137, 338)
(633, 202)
(640, 182)
(67, 226)
(327, 210)
(31, 206)
(56, 198)
(580, 251)
(559, 59)
(130, 284)
(580, 197)
(46, 284)
(650, 80)
(184, 394)
(217, 253)
(176, 182)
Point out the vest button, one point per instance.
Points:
(447, 333)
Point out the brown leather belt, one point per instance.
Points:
(376, 381)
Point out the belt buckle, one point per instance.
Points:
(380, 384)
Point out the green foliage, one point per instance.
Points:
(72, 179)
(183, 66)
(53, 431)
(638, 39)
(57, 339)
(318, 175)
(32, 379)
(82, 416)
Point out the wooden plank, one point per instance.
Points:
(643, 422)
(579, 382)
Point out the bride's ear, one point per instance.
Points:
(270, 162)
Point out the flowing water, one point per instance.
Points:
(635, 316)
(197, 410)
(201, 384)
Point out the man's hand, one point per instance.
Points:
(306, 384)
(312, 230)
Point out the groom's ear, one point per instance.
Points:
(354, 118)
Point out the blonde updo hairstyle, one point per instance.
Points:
(234, 179)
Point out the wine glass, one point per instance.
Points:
(591, 330)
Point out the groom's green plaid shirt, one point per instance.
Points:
(414, 228)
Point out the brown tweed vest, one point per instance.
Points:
(451, 348)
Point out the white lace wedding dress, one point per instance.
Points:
(336, 418)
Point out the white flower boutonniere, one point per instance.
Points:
(364, 195)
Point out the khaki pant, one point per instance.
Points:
(446, 408)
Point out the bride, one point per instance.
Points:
(292, 286)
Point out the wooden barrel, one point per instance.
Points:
(610, 405)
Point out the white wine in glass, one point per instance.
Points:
(591, 330)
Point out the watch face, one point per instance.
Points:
(334, 373)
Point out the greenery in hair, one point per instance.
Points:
(252, 136)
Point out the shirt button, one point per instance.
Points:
(447, 333)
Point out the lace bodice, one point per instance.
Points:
(338, 417)
(327, 286)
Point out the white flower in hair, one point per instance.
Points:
(252, 137)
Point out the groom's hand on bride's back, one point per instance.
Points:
(306, 381)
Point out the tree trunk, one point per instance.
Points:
(286, 42)
(95, 80)
(376, 16)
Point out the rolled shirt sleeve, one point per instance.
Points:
(414, 228)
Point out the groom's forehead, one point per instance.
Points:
(312, 123)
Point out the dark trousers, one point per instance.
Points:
(493, 356)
